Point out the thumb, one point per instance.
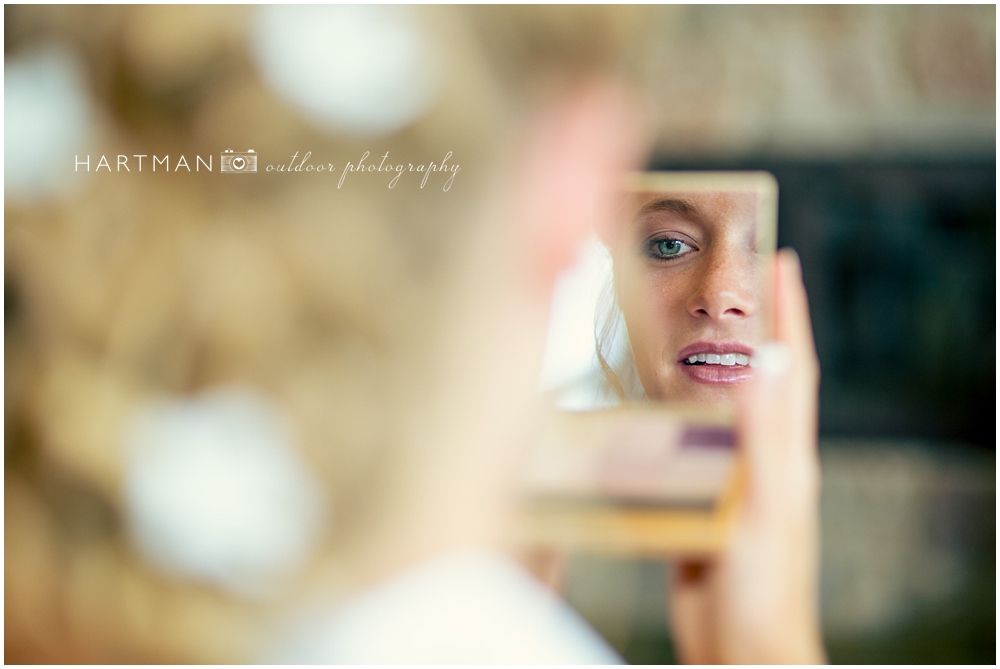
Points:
(777, 420)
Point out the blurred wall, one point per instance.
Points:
(831, 81)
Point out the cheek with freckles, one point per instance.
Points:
(655, 314)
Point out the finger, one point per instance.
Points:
(778, 409)
(692, 572)
(691, 613)
(800, 396)
(548, 566)
(792, 324)
(766, 409)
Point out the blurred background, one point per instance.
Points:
(879, 124)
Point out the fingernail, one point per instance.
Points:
(691, 573)
(772, 358)
(794, 262)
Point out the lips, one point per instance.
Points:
(723, 363)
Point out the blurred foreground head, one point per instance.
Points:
(227, 389)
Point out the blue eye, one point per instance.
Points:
(668, 248)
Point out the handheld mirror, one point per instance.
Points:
(639, 456)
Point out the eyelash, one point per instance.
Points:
(651, 249)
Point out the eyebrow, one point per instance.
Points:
(675, 205)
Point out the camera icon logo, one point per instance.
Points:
(235, 161)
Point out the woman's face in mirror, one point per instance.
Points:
(689, 283)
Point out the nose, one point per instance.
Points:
(727, 287)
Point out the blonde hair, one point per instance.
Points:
(614, 350)
(140, 286)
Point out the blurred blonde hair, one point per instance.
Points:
(145, 286)
(619, 376)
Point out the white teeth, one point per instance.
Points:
(726, 359)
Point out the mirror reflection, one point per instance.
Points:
(683, 274)
(678, 293)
